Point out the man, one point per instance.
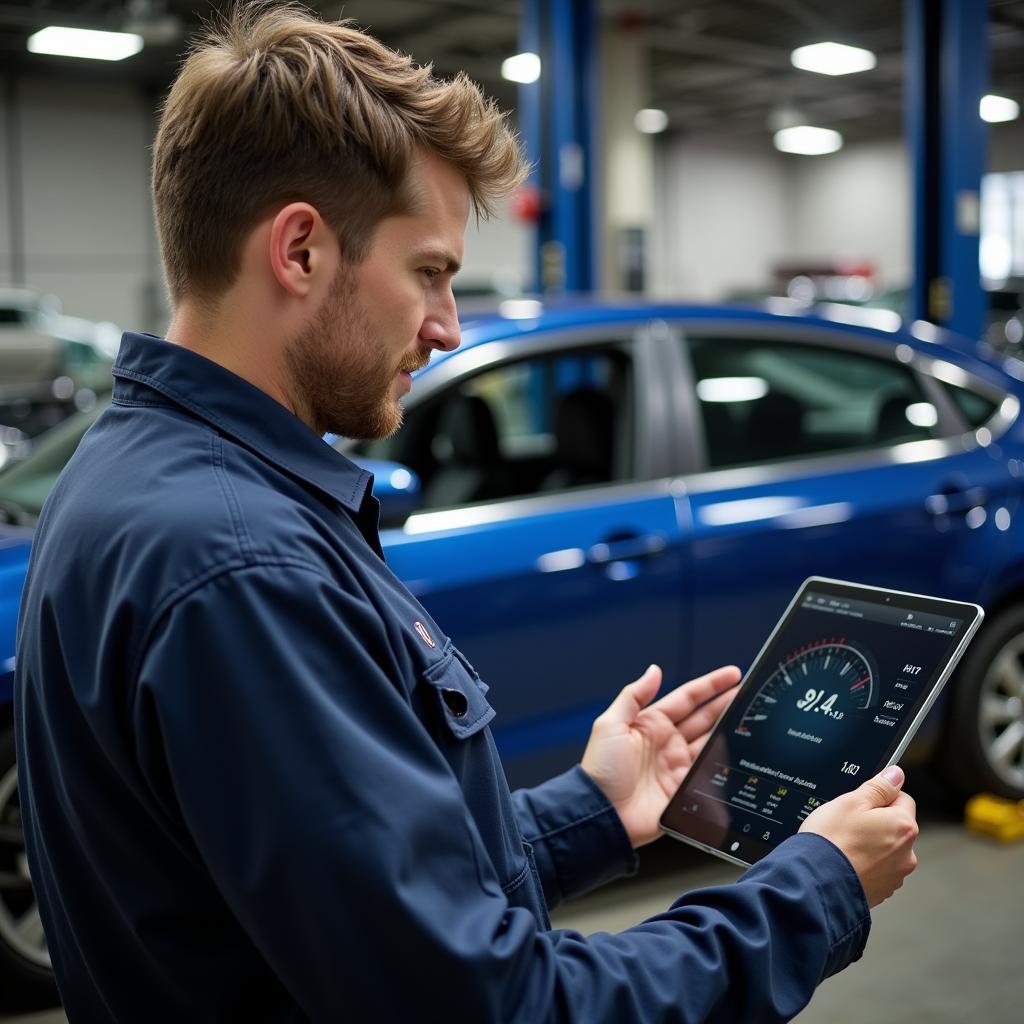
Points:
(257, 778)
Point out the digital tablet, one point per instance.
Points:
(835, 695)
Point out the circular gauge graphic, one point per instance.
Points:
(825, 680)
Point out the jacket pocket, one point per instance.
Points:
(460, 693)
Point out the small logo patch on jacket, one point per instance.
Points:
(422, 630)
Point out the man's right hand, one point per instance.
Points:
(875, 826)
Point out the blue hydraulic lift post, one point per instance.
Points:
(921, 109)
(530, 119)
(965, 60)
(557, 119)
(947, 60)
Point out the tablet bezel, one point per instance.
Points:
(699, 836)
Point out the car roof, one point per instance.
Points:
(482, 323)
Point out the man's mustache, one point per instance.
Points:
(414, 362)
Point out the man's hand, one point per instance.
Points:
(875, 826)
(638, 755)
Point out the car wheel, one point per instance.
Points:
(26, 978)
(985, 734)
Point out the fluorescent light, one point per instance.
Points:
(650, 121)
(523, 68)
(82, 42)
(731, 389)
(832, 59)
(998, 108)
(808, 141)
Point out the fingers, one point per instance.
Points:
(883, 789)
(700, 722)
(634, 697)
(906, 803)
(678, 703)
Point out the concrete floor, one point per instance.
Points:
(944, 950)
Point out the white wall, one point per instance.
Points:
(731, 211)
(86, 209)
(728, 211)
(84, 152)
(498, 252)
(5, 228)
(852, 205)
(722, 218)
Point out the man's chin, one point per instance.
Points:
(384, 424)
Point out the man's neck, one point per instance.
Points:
(237, 347)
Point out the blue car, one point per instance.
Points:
(582, 489)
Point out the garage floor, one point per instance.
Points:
(946, 949)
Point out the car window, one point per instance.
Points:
(975, 408)
(539, 425)
(766, 401)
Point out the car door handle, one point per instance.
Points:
(627, 549)
(956, 501)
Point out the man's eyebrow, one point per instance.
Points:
(451, 264)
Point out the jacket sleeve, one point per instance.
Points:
(335, 831)
(578, 839)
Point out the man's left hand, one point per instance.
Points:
(639, 755)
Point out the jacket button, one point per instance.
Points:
(455, 701)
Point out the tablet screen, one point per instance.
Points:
(835, 695)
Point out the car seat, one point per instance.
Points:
(475, 469)
(584, 440)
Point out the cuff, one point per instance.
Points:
(578, 839)
(840, 894)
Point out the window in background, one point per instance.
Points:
(1002, 227)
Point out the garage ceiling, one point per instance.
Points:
(716, 67)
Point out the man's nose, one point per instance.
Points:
(441, 324)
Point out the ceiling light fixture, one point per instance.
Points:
(998, 108)
(833, 59)
(523, 68)
(805, 140)
(82, 42)
(650, 121)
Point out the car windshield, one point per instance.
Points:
(25, 485)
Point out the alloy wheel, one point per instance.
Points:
(21, 928)
(1001, 713)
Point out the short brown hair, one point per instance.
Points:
(273, 106)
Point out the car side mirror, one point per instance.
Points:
(396, 487)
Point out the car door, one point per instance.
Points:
(547, 545)
(824, 454)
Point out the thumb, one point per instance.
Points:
(884, 787)
(634, 697)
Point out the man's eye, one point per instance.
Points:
(430, 273)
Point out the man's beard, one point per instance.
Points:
(341, 378)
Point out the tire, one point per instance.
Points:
(26, 978)
(984, 748)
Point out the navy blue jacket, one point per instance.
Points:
(258, 781)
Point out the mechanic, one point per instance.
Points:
(257, 778)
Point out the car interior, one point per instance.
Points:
(540, 425)
(791, 401)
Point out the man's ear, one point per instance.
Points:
(303, 250)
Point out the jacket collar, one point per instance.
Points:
(237, 409)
